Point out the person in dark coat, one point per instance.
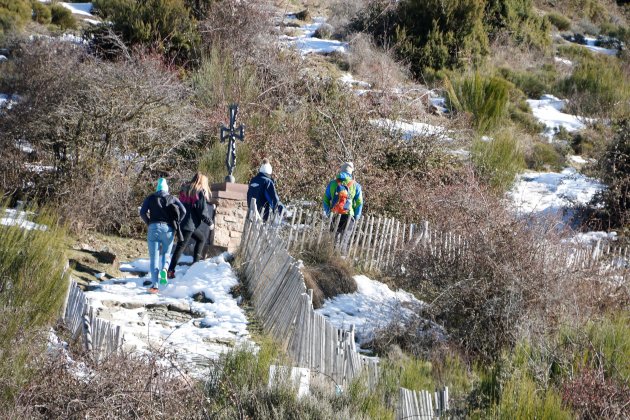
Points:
(194, 196)
(263, 188)
(156, 212)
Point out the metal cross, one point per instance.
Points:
(232, 133)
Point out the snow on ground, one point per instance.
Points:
(306, 43)
(373, 306)
(8, 101)
(214, 328)
(360, 87)
(551, 193)
(563, 61)
(408, 130)
(13, 217)
(591, 238)
(548, 110)
(591, 45)
(83, 9)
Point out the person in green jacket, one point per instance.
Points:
(344, 196)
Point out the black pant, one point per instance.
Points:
(181, 245)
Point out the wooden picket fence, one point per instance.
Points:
(375, 242)
(421, 405)
(100, 338)
(285, 308)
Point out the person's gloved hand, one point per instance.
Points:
(211, 226)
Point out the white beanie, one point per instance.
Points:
(347, 167)
(265, 168)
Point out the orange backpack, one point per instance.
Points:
(341, 203)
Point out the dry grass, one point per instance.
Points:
(326, 273)
(124, 386)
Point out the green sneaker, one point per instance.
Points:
(163, 277)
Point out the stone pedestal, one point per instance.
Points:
(231, 202)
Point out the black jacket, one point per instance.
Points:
(197, 211)
(155, 208)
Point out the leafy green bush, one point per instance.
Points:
(545, 156)
(498, 160)
(165, 25)
(560, 21)
(519, 21)
(33, 284)
(485, 98)
(41, 13)
(62, 17)
(13, 14)
(574, 52)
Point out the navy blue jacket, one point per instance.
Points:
(263, 189)
(156, 205)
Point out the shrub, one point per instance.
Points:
(597, 86)
(561, 22)
(149, 386)
(33, 284)
(62, 17)
(614, 170)
(498, 160)
(545, 157)
(163, 25)
(212, 162)
(534, 82)
(13, 14)
(522, 398)
(41, 13)
(102, 146)
(485, 98)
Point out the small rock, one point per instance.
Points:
(201, 297)
(105, 257)
(157, 307)
(132, 305)
(179, 307)
(92, 287)
(147, 283)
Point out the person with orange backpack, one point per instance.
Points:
(344, 196)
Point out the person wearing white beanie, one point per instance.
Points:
(262, 188)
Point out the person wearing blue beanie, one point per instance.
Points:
(161, 212)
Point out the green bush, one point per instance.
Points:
(533, 83)
(13, 14)
(219, 82)
(545, 156)
(498, 160)
(574, 52)
(165, 25)
(598, 85)
(561, 22)
(33, 284)
(519, 21)
(485, 98)
(41, 13)
(212, 163)
(62, 17)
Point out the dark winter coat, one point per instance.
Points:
(263, 188)
(158, 208)
(197, 210)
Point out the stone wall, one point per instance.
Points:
(230, 216)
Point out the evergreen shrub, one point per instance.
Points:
(561, 22)
(62, 17)
(33, 285)
(13, 14)
(41, 13)
(545, 157)
(498, 160)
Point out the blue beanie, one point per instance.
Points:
(162, 185)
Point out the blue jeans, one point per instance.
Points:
(159, 235)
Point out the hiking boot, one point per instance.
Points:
(170, 274)
(163, 277)
(153, 290)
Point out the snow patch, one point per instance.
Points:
(548, 110)
(373, 306)
(551, 193)
(216, 326)
(408, 130)
(19, 218)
